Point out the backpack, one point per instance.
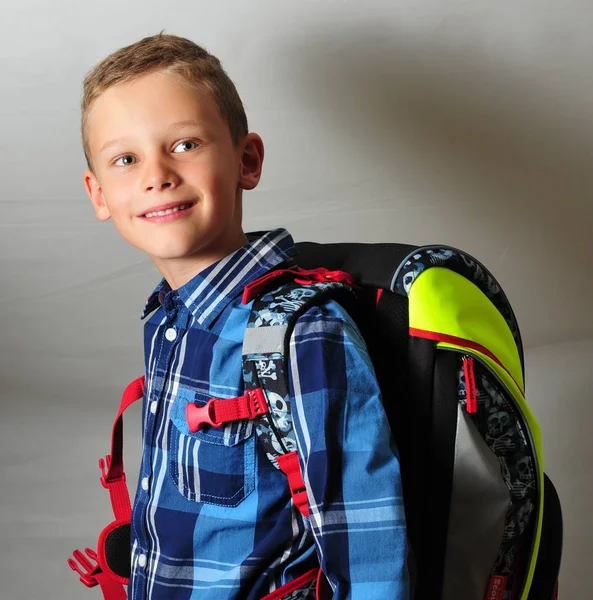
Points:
(448, 356)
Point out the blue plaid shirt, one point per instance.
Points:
(212, 517)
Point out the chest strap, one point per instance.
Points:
(251, 405)
(217, 412)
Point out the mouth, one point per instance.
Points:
(168, 212)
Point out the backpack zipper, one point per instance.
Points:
(470, 385)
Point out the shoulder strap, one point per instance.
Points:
(109, 566)
(265, 365)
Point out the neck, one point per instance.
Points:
(178, 271)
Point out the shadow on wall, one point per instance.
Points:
(476, 130)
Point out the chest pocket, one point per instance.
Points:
(215, 465)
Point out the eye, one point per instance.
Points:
(127, 160)
(186, 146)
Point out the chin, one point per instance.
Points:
(169, 249)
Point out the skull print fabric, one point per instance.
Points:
(275, 308)
(460, 262)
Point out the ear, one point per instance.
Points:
(95, 193)
(252, 159)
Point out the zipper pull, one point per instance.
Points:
(471, 397)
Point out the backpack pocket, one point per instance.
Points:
(215, 465)
(495, 488)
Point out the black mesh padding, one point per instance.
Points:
(385, 329)
(117, 550)
(372, 265)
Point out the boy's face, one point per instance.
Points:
(158, 145)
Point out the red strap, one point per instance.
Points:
(113, 477)
(216, 412)
(290, 466)
(323, 590)
(451, 339)
(111, 589)
(292, 586)
(303, 276)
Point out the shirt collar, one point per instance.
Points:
(211, 290)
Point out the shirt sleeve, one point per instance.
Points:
(348, 458)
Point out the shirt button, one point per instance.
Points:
(153, 406)
(170, 334)
(142, 560)
(144, 483)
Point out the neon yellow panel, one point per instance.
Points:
(445, 302)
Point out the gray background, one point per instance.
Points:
(420, 121)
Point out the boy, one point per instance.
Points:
(169, 155)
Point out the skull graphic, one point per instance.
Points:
(440, 257)
(524, 469)
(498, 423)
(281, 412)
(410, 276)
(267, 369)
(301, 293)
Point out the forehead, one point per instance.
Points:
(147, 106)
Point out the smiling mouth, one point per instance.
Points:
(168, 211)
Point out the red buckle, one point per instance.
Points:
(200, 415)
(217, 412)
(321, 275)
(85, 564)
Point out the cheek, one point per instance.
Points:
(118, 200)
(221, 174)
(215, 179)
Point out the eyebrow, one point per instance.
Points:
(174, 127)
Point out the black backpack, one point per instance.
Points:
(449, 360)
(484, 521)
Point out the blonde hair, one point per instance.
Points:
(172, 54)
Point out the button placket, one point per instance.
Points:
(174, 328)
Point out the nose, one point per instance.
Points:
(159, 176)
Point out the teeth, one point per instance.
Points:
(161, 213)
